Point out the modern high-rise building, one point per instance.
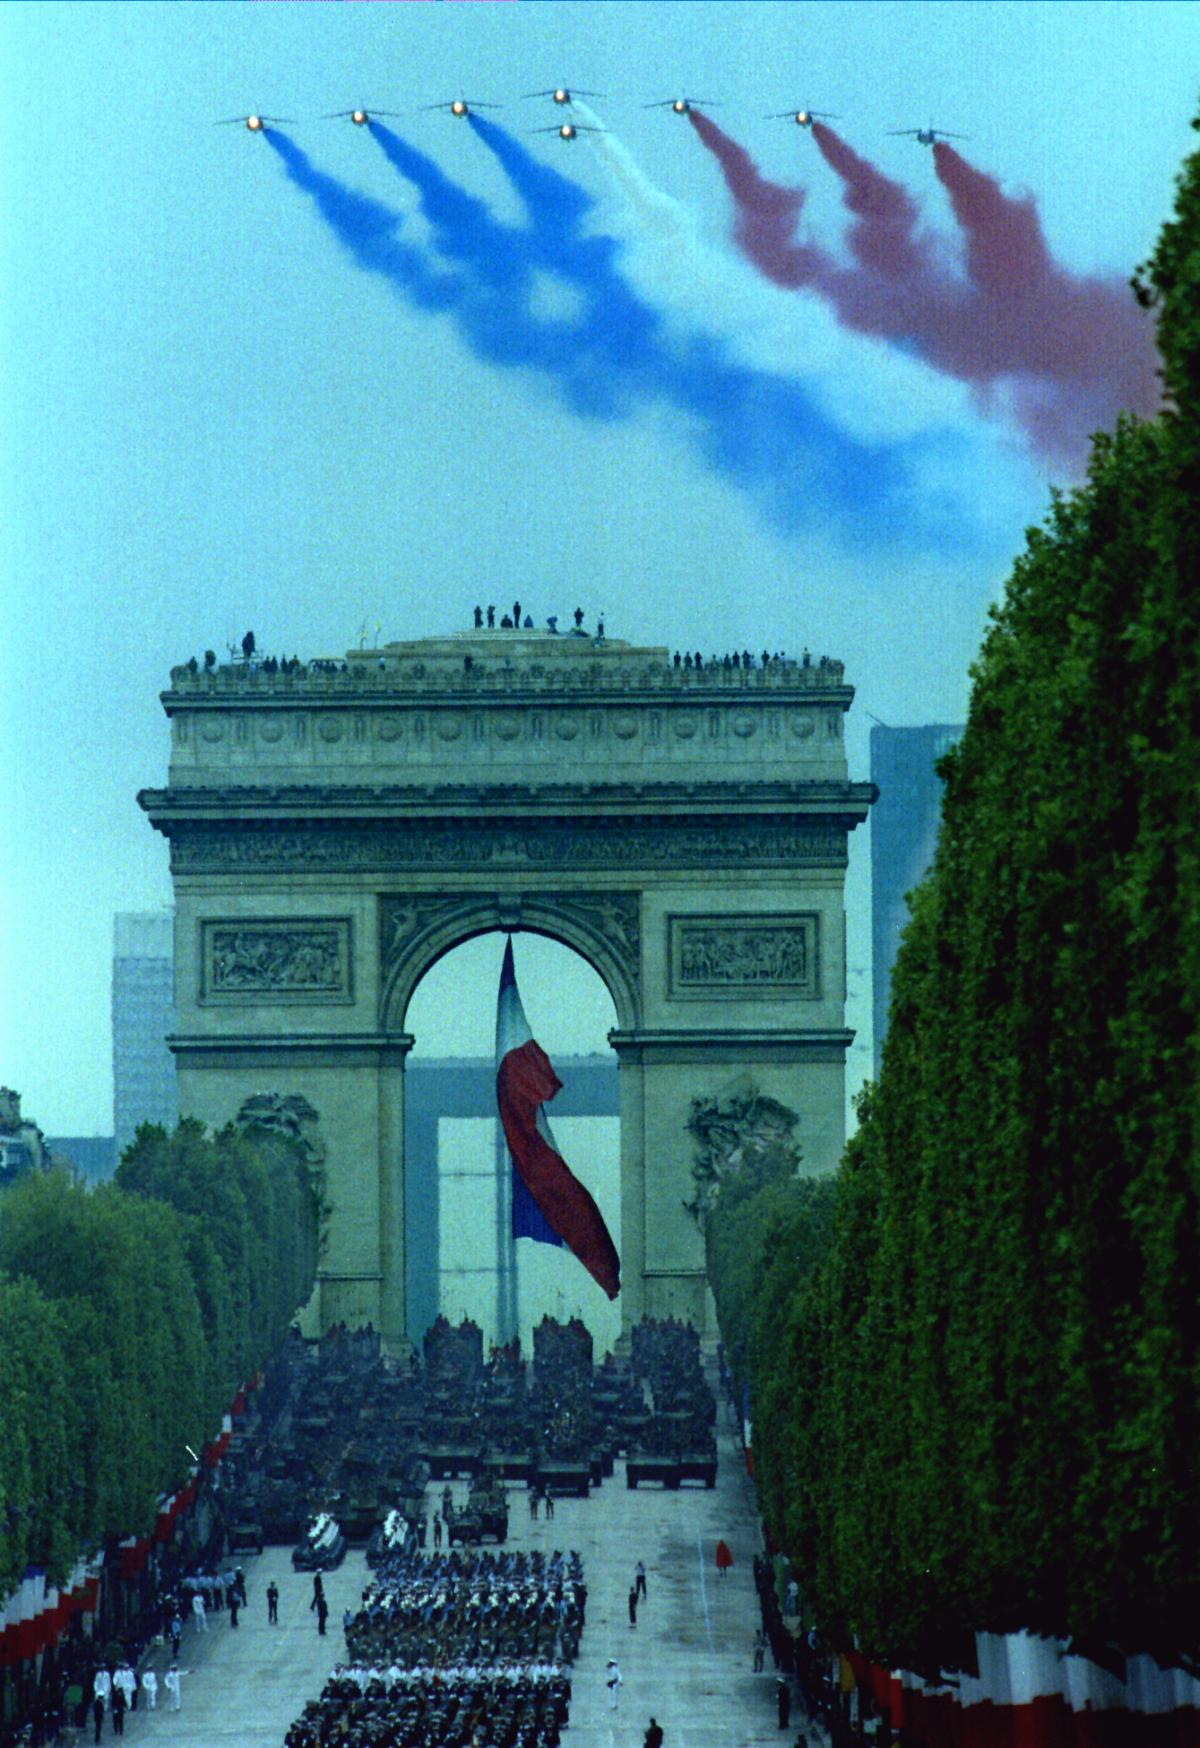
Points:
(143, 1013)
(92, 1158)
(904, 830)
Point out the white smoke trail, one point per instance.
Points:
(659, 212)
(873, 389)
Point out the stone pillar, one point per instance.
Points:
(633, 1186)
(392, 1297)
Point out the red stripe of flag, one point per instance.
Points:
(525, 1079)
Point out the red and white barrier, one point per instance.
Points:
(1032, 1692)
(34, 1615)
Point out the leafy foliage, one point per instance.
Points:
(128, 1318)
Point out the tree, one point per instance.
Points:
(989, 1416)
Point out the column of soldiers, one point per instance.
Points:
(503, 1706)
(457, 1650)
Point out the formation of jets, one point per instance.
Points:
(569, 130)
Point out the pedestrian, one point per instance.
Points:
(724, 1558)
(234, 1605)
(126, 1680)
(548, 1503)
(633, 1605)
(150, 1689)
(322, 1608)
(176, 1633)
(272, 1604)
(654, 1735)
(534, 1496)
(640, 1579)
(612, 1680)
(239, 1585)
(318, 1594)
(783, 1694)
(171, 1681)
(98, 1714)
(760, 1646)
(76, 1706)
(437, 1529)
(198, 1610)
(118, 1710)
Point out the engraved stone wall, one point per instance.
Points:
(736, 956)
(256, 960)
(371, 845)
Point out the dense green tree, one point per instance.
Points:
(40, 1516)
(125, 1257)
(128, 1318)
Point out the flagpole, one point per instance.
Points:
(506, 1244)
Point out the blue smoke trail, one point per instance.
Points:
(367, 229)
(762, 431)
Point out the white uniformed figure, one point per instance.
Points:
(102, 1686)
(171, 1681)
(150, 1688)
(198, 1611)
(612, 1680)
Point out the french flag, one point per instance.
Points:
(549, 1202)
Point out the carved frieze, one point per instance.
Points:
(371, 845)
(738, 956)
(261, 960)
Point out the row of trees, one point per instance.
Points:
(979, 1410)
(130, 1316)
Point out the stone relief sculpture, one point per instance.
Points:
(744, 1133)
(736, 955)
(769, 843)
(301, 959)
(289, 1115)
(733, 954)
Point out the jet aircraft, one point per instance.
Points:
(803, 117)
(254, 122)
(926, 136)
(359, 117)
(459, 106)
(569, 130)
(560, 94)
(681, 105)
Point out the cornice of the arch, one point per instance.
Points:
(417, 929)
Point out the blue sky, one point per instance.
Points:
(214, 419)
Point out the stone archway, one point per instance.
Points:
(417, 929)
(336, 831)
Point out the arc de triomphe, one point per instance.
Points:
(334, 831)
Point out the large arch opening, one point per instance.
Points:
(460, 1257)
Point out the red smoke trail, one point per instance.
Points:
(767, 215)
(1086, 335)
(884, 239)
(1073, 350)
